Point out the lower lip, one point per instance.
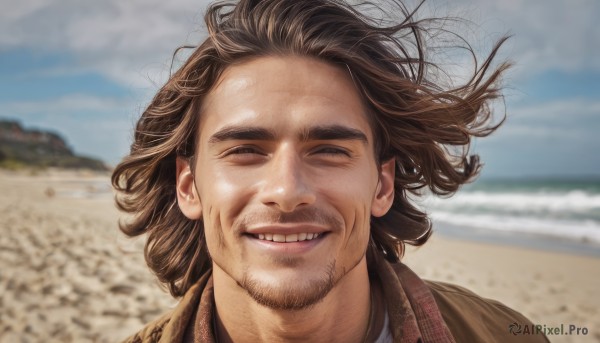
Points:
(287, 248)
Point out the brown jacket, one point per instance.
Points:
(415, 309)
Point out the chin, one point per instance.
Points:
(291, 293)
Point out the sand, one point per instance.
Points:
(66, 272)
(548, 288)
(68, 275)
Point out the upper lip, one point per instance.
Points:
(286, 229)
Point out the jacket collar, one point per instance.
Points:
(412, 310)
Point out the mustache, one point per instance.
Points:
(300, 216)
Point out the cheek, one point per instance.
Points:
(360, 232)
(223, 197)
(355, 198)
(353, 203)
(352, 190)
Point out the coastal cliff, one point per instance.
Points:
(20, 147)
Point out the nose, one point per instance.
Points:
(286, 186)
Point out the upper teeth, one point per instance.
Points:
(294, 237)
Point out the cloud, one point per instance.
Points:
(554, 138)
(73, 103)
(548, 34)
(69, 103)
(576, 108)
(560, 120)
(128, 41)
(132, 41)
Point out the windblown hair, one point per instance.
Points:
(425, 126)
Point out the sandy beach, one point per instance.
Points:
(547, 287)
(67, 274)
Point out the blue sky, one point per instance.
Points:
(88, 69)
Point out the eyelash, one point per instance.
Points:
(331, 151)
(242, 150)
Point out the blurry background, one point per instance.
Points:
(87, 69)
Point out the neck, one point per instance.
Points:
(342, 315)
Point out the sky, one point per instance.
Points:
(87, 70)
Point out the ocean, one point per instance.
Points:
(563, 210)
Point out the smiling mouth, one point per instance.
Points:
(294, 237)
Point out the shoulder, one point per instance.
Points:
(172, 326)
(152, 332)
(472, 318)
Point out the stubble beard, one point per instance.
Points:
(296, 297)
(299, 295)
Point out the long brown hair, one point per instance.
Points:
(425, 126)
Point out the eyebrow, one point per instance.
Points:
(333, 132)
(330, 132)
(229, 133)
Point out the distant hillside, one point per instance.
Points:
(36, 148)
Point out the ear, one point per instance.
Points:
(384, 196)
(187, 196)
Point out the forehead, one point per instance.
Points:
(285, 94)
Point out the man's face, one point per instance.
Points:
(286, 178)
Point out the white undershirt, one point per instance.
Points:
(386, 334)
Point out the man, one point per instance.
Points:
(271, 175)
